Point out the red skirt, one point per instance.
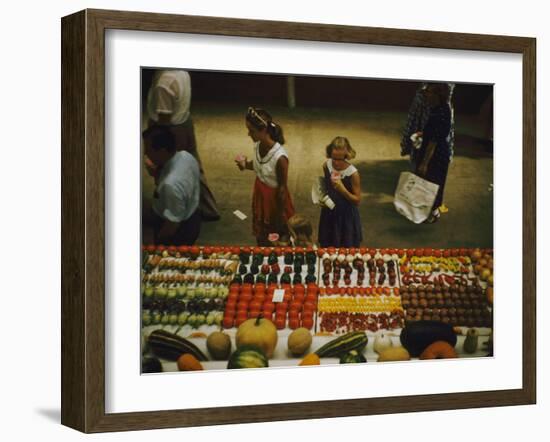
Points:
(266, 215)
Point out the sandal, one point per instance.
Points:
(434, 217)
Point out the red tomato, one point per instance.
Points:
(396, 291)
(268, 305)
(419, 252)
(455, 252)
(230, 312)
(245, 297)
(207, 251)
(293, 323)
(446, 253)
(235, 250)
(260, 297)
(268, 315)
(281, 307)
(293, 314)
(232, 298)
(255, 305)
(410, 253)
(253, 313)
(227, 322)
(437, 253)
(311, 297)
(295, 306)
(280, 323)
(266, 251)
(307, 323)
(320, 252)
(242, 305)
(239, 321)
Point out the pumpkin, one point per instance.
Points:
(258, 332)
(439, 350)
(381, 342)
(393, 354)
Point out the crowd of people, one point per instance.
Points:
(182, 199)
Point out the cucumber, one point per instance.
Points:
(356, 340)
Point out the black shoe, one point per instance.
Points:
(210, 218)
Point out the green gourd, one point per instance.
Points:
(471, 341)
(247, 357)
(356, 340)
(353, 357)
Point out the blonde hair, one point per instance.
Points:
(341, 143)
(301, 230)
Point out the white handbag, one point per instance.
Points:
(414, 197)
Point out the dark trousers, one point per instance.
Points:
(186, 234)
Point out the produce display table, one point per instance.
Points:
(192, 292)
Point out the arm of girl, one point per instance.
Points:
(355, 195)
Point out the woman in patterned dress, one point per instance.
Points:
(435, 153)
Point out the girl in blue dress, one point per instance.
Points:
(341, 225)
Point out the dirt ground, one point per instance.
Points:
(221, 135)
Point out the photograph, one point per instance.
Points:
(298, 220)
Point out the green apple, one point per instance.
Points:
(182, 318)
(173, 319)
(146, 318)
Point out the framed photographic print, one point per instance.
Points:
(266, 221)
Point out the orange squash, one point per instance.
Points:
(439, 350)
(188, 362)
(311, 359)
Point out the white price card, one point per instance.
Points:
(278, 295)
(239, 215)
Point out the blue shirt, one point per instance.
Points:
(178, 188)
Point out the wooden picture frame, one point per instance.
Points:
(83, 219)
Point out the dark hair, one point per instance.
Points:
(441, 90)
(160, 137)
(341, 143)
(260, 118)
